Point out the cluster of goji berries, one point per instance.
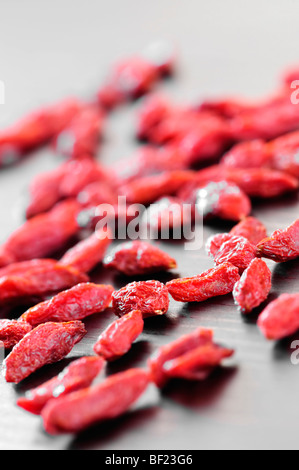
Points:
(249, 150)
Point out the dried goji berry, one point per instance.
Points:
(283, 245)
(88, 253)
(80, 173)
(74, 304)
(281, 317)
(253, 287)
(149, 160)
(224, 200)
(139, 257)
(211, 283)
(44, 234)
(44, 191)
(129, 79)
(192, 356)
(251, 228)
(148, 189)
(117, 339)
(167, 216)
(82, 136)
(150, 297)
(198, 363)
(96, 193)
(237, 251)
(252, 154)
(109, 399)
(36, 129)
(215, 242)
(17, 288)
(47, 343)
(12, 331)
(79, 374)
(153, 110)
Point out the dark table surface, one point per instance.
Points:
(54, 49)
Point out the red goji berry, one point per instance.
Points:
(250, 228)
(168, 214)
(138, 257)
(224, 200)
(88, 253)
(128, 80)
(44, 234)
(44, 191)
(82, 136)
(118, 338)
(47, 343)
(148, 189)
(198, 363)
(237, 251)
(12, 331)
(252, 154)
(254, 286)
(36, 129)
(150, 297)
(211, 283)
(283, 245)
(79, 174)
(281, 317)
(79, 374)
(192, 356)
(109, 399)
(96, 193)
(150, 160)
(153, 110)
(74, 304)
(38, 281)
(215, 242)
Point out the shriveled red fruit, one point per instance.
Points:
(12, 331)
(88, 253)
(211, 283)
(262, 182)
(96, 193)
(36, 129)
(129, 79)
(252, 154)
(150, 297)
(82, 135)
(39, 281)
(281, 317)
(198, 363)
(79, 374)
(282, 246)
(154, 108)
(223, 199)
(44, 234)
(118, 338)
(253, 287)
(139, 257)
(192, 356)
(215, 242)
(47, 343)
(149, 160)
(78, 410)
(74, 304)
(237, 251)
(148, 189)
(251, 228)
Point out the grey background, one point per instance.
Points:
(52, 49)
